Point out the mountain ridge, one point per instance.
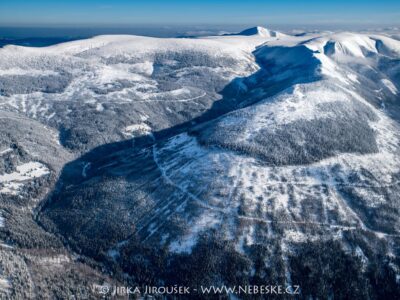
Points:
(257, 154)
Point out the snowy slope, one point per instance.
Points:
(313, 138)
(257, 140)
(130, 76)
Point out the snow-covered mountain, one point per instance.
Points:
(139, 79)
(260, 153)
(263, 32)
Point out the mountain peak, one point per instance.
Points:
(259, 30)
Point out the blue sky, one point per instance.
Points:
(135, 12)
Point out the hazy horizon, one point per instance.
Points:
(105, 13)
(84, 31)
(86, 18)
